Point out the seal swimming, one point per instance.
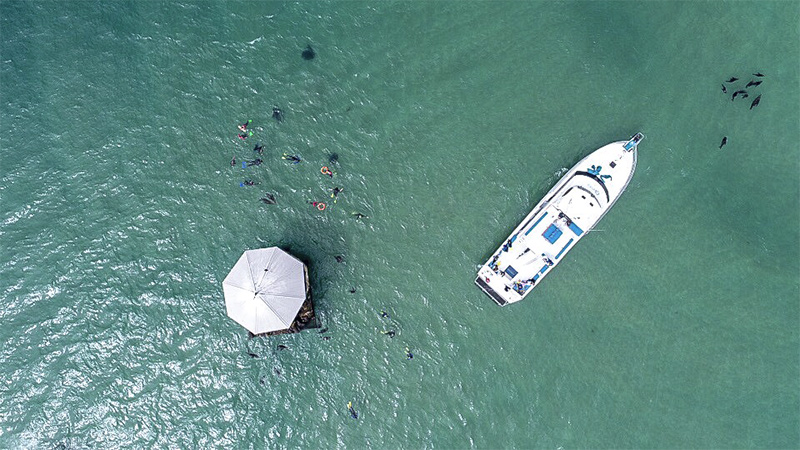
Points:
(742, 91)
(268, 199)
(755, 102)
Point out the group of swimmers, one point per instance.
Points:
(391, 334)
(269, 199)
(277, 114)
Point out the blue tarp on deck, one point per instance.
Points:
(575, 229)
(510, 271)
(552, 233)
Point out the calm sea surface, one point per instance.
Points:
(676, 324)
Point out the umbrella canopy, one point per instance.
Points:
(265, 290)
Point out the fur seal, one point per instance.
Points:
(755, 102)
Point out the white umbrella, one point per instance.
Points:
(265, 290)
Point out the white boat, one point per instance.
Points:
(567, 213)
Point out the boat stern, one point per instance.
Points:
(500, 286)
(487, 289)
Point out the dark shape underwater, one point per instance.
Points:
(755, 102)
(308, 53)
(268, 199)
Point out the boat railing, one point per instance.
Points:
(633, 142)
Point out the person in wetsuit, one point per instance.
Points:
(294, 159)
(353, 412)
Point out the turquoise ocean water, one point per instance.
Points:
(675, 325)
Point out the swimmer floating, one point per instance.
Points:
(353, 412)
(335, 193)
(294, 159)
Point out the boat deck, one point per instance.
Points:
(528, 255)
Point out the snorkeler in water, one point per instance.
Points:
(249, 183)
(358, 215)
(409, 355)
(233, 160)
(335, 193)
(259, 148)
(277, 113)
(255, 162)
(243, 127)
(294, 159)
(389, 333)
(353, 412)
